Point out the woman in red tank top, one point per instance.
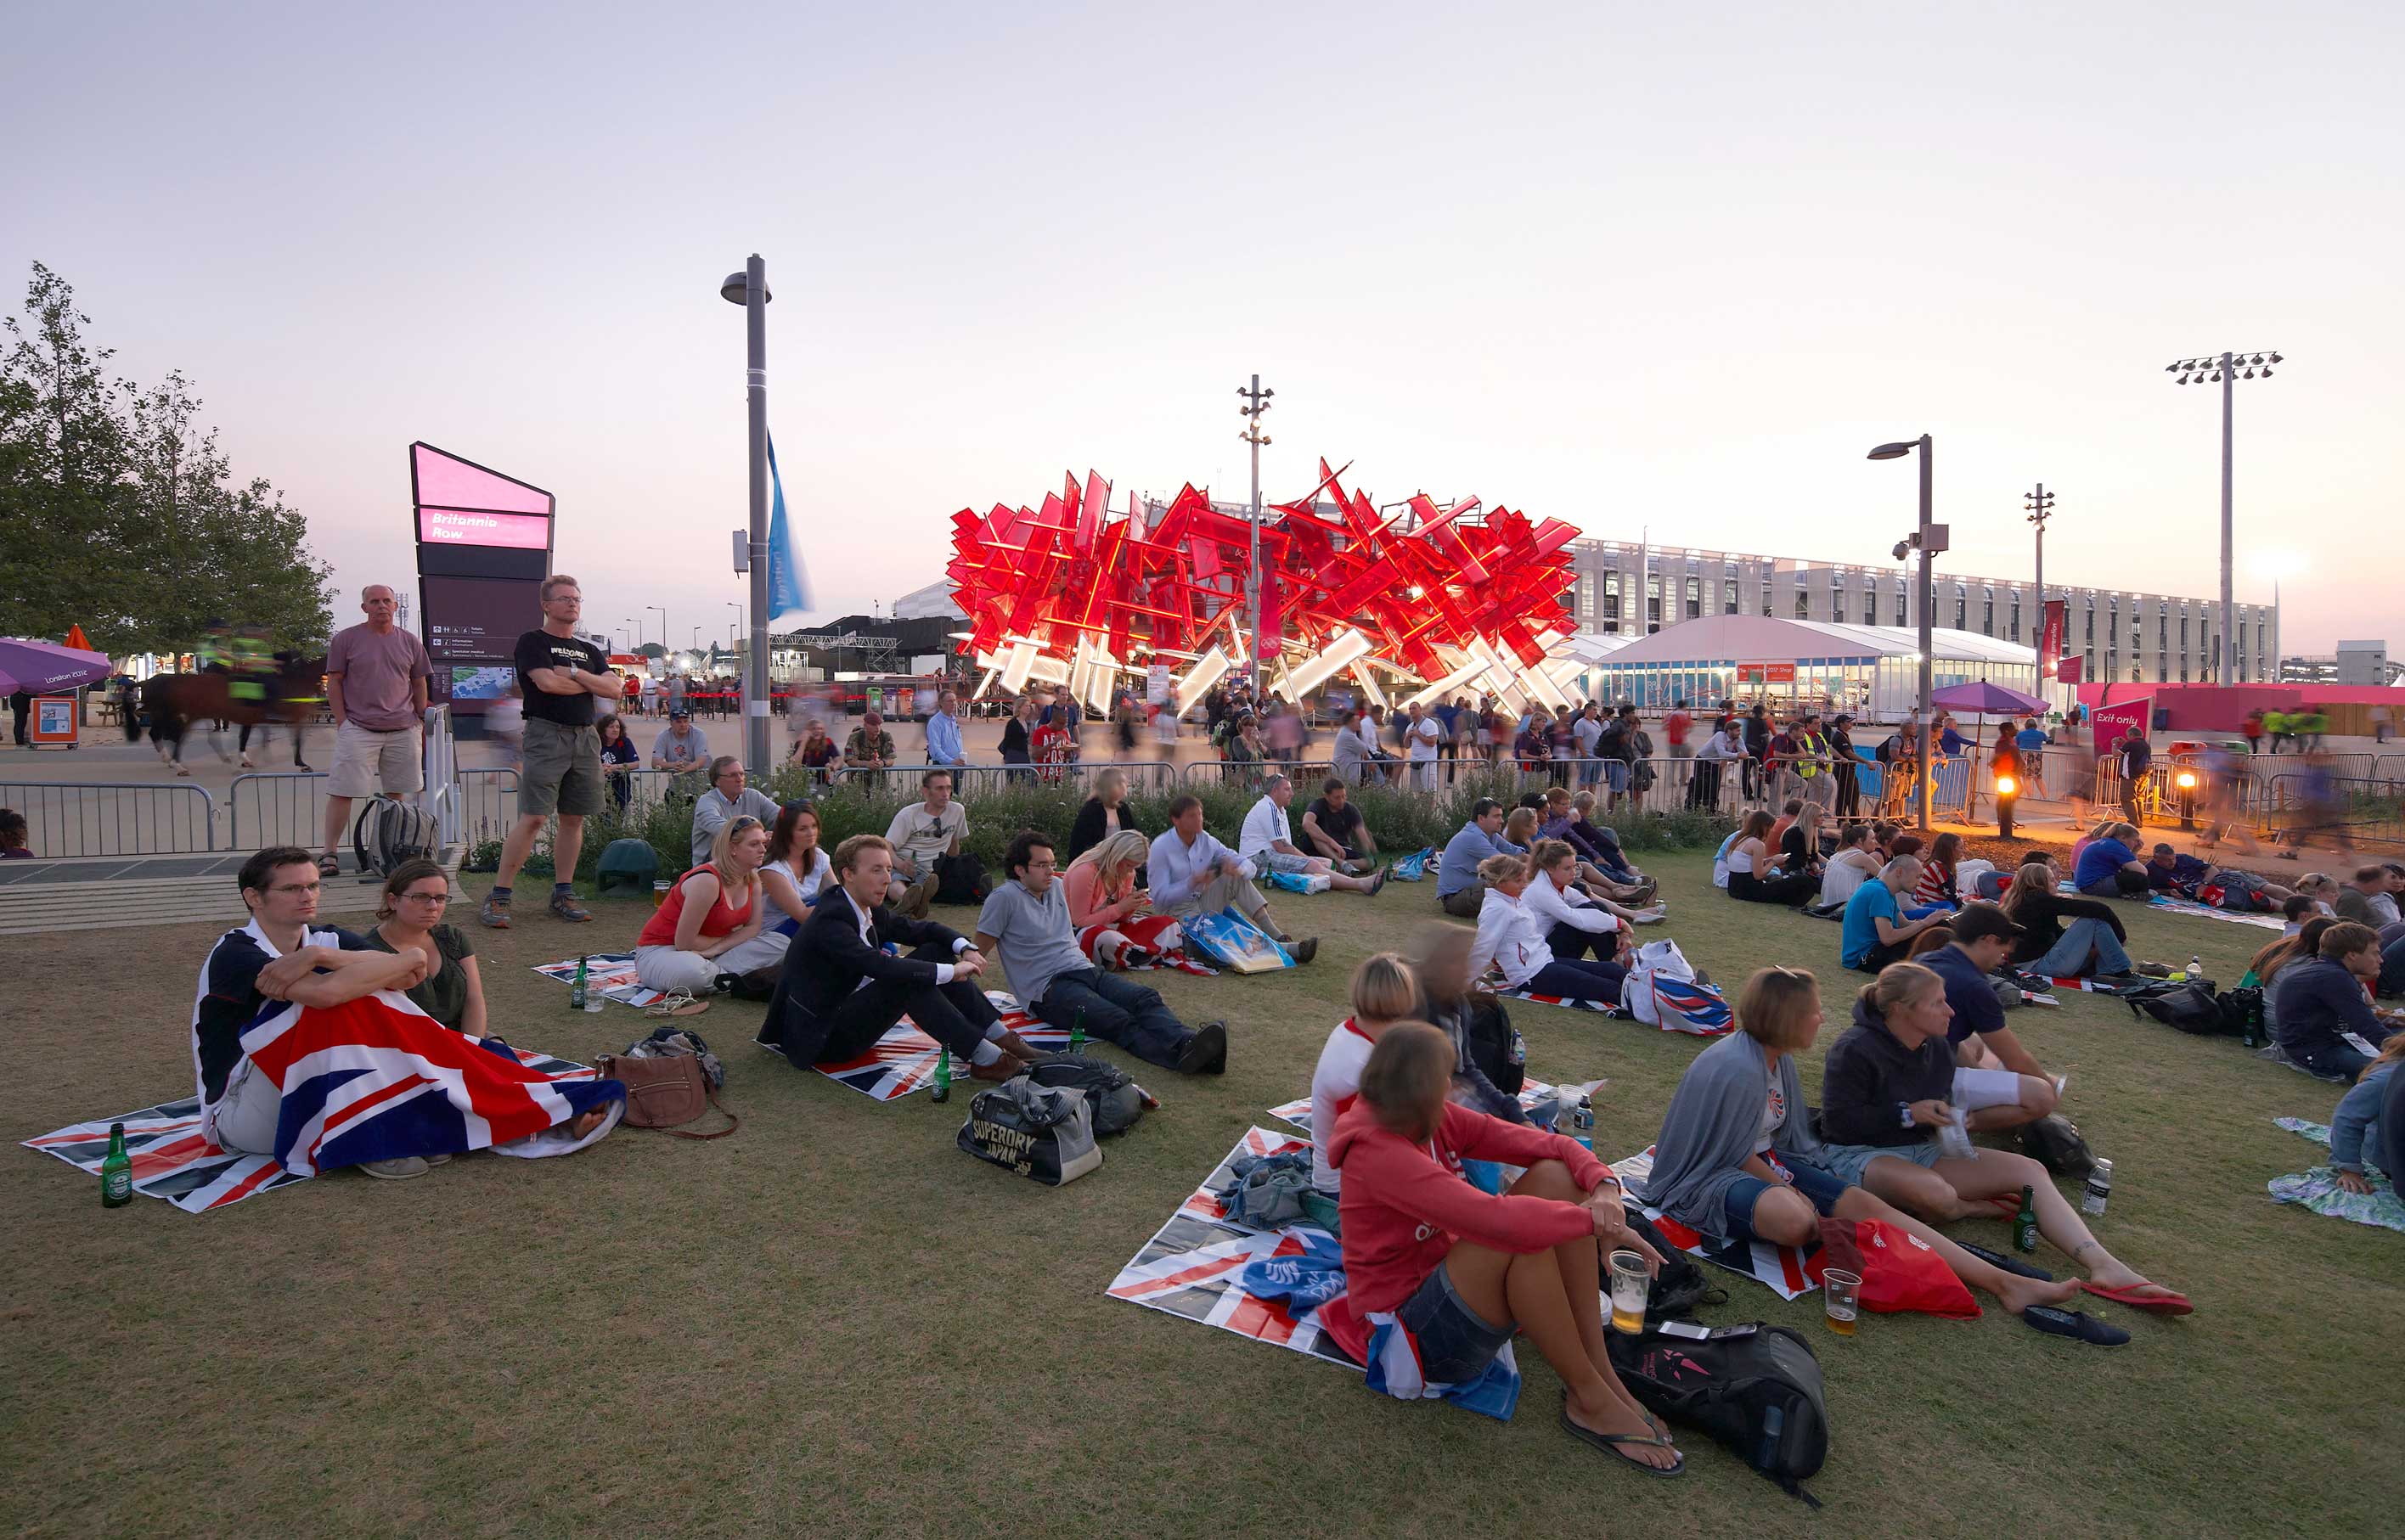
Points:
(707, 932)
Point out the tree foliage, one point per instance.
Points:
(121, 513)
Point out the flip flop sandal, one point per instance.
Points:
(1610, 1443)
(676, 1003)
(2008, 1207)
(329, 866)
(2171, 1303)
(2000, 1261)
(2075, 1324)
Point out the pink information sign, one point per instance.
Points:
(463, 527)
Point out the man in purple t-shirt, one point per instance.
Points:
(375, 684)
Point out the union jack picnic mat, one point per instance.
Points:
(1600, 1007)
(1193, 1267)
(172, 1160)
(1298, 1112)
(903, 1059)
(1778, 1268)
(611, 972)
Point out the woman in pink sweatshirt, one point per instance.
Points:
(1460, 1268)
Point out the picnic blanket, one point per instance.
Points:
(903, 1059)
(2169, 904)
(2317, 1190)
(174, 1161)
(1194, 1267)
(611, 973)
(1778, 1268)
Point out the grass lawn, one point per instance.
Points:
(835, 1322)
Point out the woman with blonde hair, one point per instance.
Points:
(1895, 1059)
(705, 934)
(1385, 990)
(1101, 815)
(1462, 1268)
(1742, 1102)
(1114, 916)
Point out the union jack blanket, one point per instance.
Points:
(1671, 1022)
(903, 1059)
(1194, 1265)
(611, 972)
(173, 1160)
(1778, 1268)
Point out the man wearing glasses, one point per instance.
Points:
(729, 796)
(1025, 923)
(251, 973)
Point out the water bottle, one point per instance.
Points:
(2100, 1188)
(1582, 1123)
(943, 1088)
(576, 990)
(2196, 965)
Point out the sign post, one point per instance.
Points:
(484, 548)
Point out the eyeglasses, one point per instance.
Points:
(297, 887)
(443, 897)
(1040, 866)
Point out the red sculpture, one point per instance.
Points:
(1069, 586)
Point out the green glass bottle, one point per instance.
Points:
(943, 1088)
(576, 990)
(1078, 1033)
(116, 1171)
(2025, 1222)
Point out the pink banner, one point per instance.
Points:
(458, 527)
(2113, 722)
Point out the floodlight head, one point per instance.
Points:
(2276, 357)
(736, 289)
(1901, 547)
(1891, 452)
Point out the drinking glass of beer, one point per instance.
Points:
(660, 893)
(1843, 1294)
(1629, 1285)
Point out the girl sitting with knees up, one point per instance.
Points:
(1462, 1269)
(1885, 1089)
(1113, 915)
(1754, 874)
(1740, 1104)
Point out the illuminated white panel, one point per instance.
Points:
(1349, 647)
(1447, 685)
(1016, 667)
(1209, 670)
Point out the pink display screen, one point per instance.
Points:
(463, 527)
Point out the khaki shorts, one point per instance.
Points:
(563, 770)
(367, 761)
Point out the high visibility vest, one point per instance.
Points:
(1811, 745)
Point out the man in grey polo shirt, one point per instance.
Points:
(1025, 925)
(730, 796)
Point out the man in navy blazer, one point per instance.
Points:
(840, 990)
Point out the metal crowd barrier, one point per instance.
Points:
(113, 819)
(277, 807)
(1151, 778)
(485, 803)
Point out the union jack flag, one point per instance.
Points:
(175, 1161)
(903, 1059)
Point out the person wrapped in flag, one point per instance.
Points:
(304, 1048)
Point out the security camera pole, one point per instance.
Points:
(1257, 401)
(1929, 540)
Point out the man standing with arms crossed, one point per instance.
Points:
(560, 675)
(375, 686)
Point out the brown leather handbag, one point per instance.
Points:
(666, 1092)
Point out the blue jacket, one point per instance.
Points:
(2315, 1000)
(943, 741)
(1459, 869)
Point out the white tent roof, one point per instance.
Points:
(933, 602)
(1589, 647)
(1766, 638)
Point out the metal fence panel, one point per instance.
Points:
(67, 818)
(486, 801)
(277, 807)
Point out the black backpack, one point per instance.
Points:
(1754, 1388)
(2241, 1008)
(962, 880)
(1118, 1102)
(2188, 1007)
(1681, 1285)
(390, 832)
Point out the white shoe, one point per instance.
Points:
(395, 1169)
(1655, 915)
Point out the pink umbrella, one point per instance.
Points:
(40, 667)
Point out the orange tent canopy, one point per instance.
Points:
(76, 639)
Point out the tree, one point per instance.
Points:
(118, 512)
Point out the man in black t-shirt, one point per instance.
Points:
(279, 957)
(560, 675)
(1333, 827)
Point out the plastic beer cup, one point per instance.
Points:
(1841, 1293)
(1630, 1284)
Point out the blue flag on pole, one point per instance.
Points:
(789, 581)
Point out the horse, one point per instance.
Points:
(173, 702)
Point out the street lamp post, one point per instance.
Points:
(750, 289)
(1257, 401)
(2223, 371)
(1929, 540)
(735, 626)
